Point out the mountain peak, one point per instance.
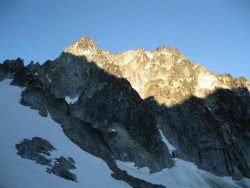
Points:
(155, 109)
(82, 47)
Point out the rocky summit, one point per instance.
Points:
(145, 107)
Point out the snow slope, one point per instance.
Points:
(18, 122)
(183, 174)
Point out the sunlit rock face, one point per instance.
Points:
(85, 46)
(163, 73)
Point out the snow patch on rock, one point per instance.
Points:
(70, 100)
(113, 130)
(128, 58)
(87, 52)
(206, 81)
(149, 54)
(48, 78)
(171, 148)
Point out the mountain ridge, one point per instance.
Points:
(142, 68)
(125, 108)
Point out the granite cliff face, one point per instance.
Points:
(115, 106)
(159, 73)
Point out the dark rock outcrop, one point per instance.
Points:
(61, 168)
(10, 67)
(35, 149)
(39, 150)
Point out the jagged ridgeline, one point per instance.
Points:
(121, 106)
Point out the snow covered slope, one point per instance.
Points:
(183, 175)
(18, 122)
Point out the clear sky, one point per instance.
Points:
(213, 33)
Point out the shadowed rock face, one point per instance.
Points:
(212, 133)
(204, 116)
(111, 103)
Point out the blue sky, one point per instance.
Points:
(214, 33)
